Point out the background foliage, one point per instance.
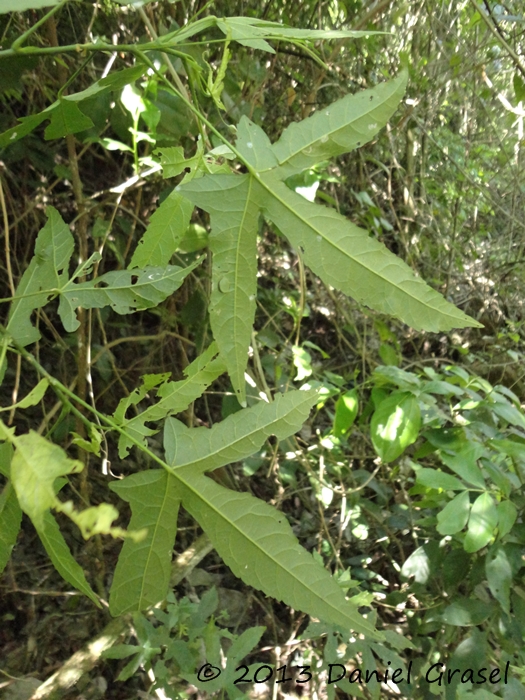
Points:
(405, 481)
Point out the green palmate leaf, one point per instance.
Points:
(66, 118)
(143, 570)
(35, 466)
(270, 558)
(233, 242)
(10, 521)
(124, 290)
(62, 559)
(482, 523)
(164, 233)
(454, 515)
(346, 257)
(53, 249)
(339, 128)
(395, 425)
(238, 436)
(173, 397)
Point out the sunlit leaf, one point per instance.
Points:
(35, 466)
(482, 523)
(395, 425)
(454, 515)
(165, 231)
(22, 5)
(346, 410)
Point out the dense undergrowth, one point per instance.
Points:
(405, 480)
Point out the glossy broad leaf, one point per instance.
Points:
(233, 242)
(125, 291)
(62, 559)
(395, 425)
(143, 569)
(339, 128)
(454, 515)
(346, 410)
(482, 523)
(53, 249)
(197, 450)
(164, 233)
(268, 558)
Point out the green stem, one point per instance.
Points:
(15, 46)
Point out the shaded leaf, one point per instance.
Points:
(173, 397)
(499, 576)
(125, 291)
(238, 436)
(467, 611)
(143, 569)
(62, 559)
(53, 249)
(436, 479)
(339, 128)
(507, 516)
(35, 395)
(10, 521)
(66, 118)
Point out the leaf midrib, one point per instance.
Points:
(320, 232)
(260, 549)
